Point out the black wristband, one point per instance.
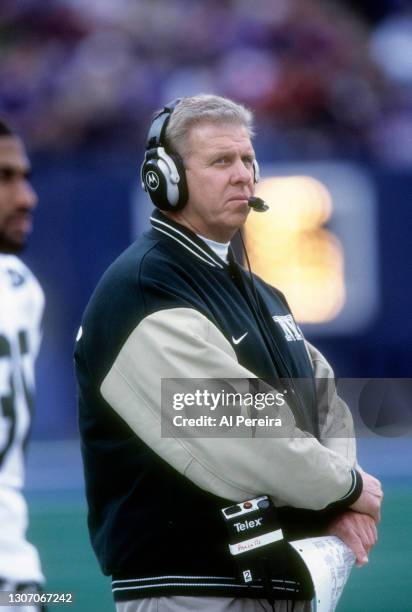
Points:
(351, 496)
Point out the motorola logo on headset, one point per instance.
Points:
(163, 175)
(152, 180)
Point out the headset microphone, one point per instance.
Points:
(257, 204)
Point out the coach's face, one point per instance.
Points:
(219, 168)
(17, 198)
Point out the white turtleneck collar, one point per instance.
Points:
(220, 248)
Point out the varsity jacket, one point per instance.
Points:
(170, 308)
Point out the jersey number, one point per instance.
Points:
(8, 401)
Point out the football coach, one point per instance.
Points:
(177, 305)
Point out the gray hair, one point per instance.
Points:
(203, 108)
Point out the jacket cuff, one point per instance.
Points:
(351, 496)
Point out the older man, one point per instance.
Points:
(176, 305)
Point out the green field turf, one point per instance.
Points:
(58, 528)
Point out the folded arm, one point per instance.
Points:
(294, 469)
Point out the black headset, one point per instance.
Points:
(163, 174)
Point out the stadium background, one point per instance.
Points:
(329, 81)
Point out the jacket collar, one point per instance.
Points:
(186, 239)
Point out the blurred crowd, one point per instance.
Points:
(324, 77)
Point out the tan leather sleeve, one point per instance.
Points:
(293, 468)
(336, 423)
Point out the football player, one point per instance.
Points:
(21, 309)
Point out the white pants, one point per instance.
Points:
(214, 604)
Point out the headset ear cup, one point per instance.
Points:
(256, 171)
(163, 175)
(164, 179)
(155, 184)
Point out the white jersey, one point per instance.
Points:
(21, 310)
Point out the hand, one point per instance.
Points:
(358, 531)
(370, 499)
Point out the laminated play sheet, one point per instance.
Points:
(329, 562)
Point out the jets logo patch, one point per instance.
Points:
(290, 329)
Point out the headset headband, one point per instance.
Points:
(156, 135)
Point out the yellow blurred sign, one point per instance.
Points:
(290, 248)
